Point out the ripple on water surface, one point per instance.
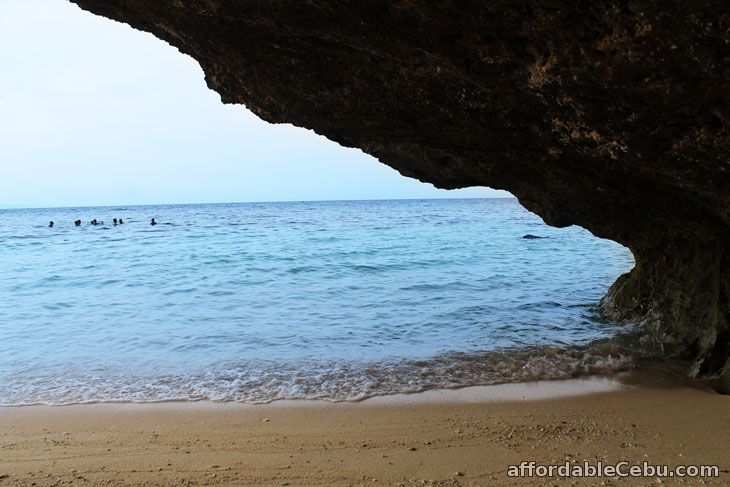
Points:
(333, 300)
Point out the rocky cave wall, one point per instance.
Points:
(612, 115)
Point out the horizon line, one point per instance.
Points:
(23, 207)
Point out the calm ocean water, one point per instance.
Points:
(331, 300)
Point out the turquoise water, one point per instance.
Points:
(331, 300)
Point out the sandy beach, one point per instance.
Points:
(464, 437)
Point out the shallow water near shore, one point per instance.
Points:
(314, 300)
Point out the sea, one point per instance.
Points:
(336, 300)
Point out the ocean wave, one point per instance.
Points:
(329, 381)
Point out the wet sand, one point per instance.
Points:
(464, 437)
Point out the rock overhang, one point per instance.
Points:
(611, 115)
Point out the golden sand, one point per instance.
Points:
(465, 437)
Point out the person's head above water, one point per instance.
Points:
(50, 224)
(153, 222)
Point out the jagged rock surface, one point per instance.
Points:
(612, 115)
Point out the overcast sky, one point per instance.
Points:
(93, 112)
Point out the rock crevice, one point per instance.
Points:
(612, 115)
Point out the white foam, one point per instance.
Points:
(329, 381)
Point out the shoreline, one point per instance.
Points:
(513, 391)
(432, 438)
(643, 373)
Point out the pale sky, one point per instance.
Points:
(93, 112)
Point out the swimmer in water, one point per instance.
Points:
(77, 223)
(121, 222)
(115, 222)
(153, 222)
(50, 225)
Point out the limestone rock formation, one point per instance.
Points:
(611, 114)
